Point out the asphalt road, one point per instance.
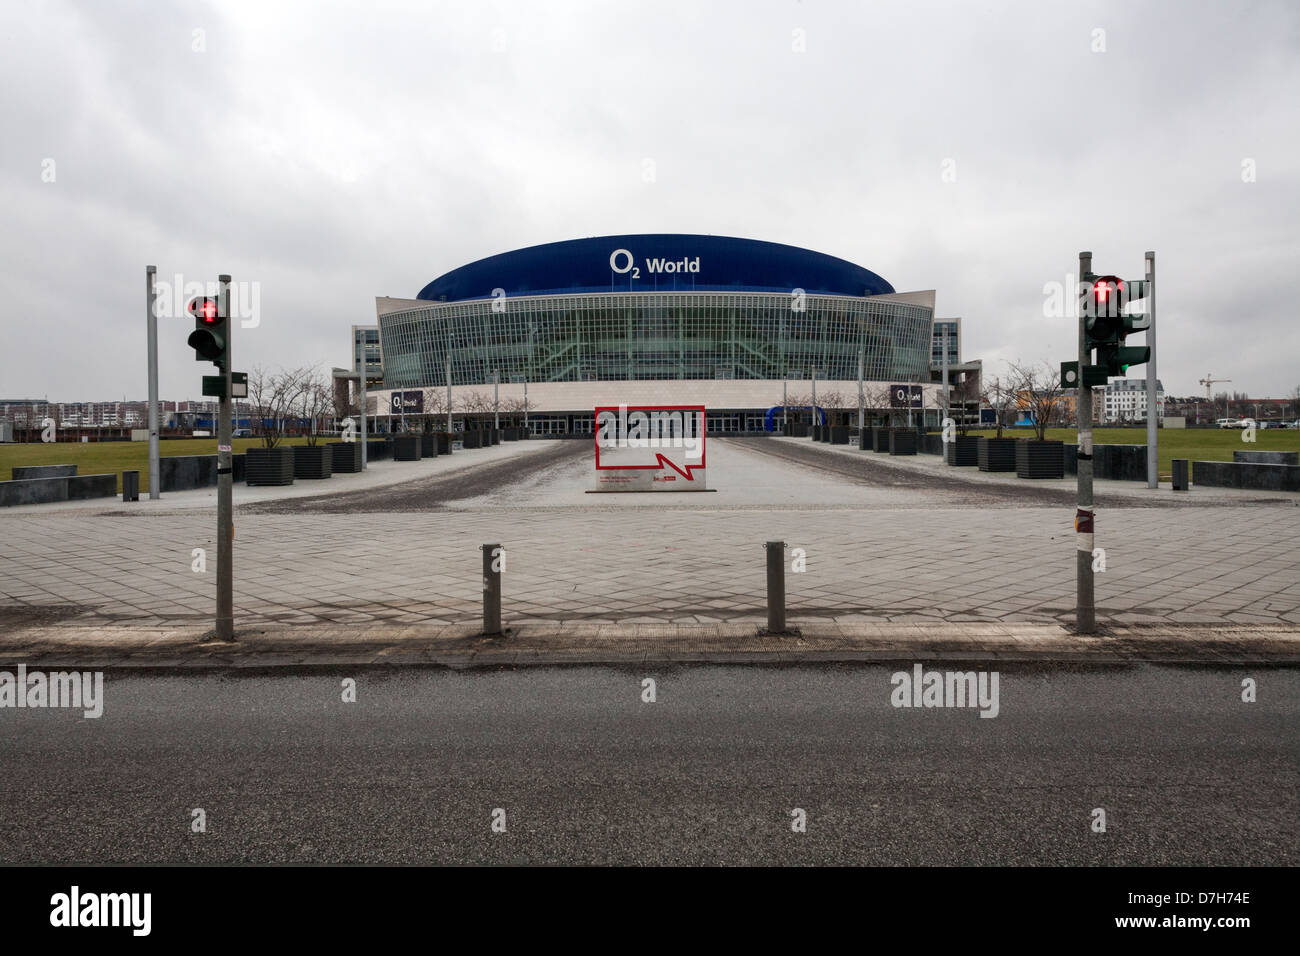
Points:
(586, 772)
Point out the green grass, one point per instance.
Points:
(1194, 444)
(115, 457)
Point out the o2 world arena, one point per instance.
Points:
(727, 323)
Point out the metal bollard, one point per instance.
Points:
(494, 560)
(1179, 476)
(776, 587)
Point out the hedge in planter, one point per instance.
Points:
(997, 454)
(1040, 459)
(962, 450)
(312, 461)
(406, 448)
(269, 466)
(347, 456)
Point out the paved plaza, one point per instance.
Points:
(882, 547)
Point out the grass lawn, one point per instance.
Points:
(115, 457)
(1194, 444)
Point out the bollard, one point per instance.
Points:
(776, 587)
(494, 559)
(1180, 474)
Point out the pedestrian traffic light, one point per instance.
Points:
(209, 339)
(1107, 322)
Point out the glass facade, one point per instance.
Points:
(953, 328)
(655, 336)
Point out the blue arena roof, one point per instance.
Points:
(655, 263)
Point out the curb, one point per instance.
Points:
(543, 644)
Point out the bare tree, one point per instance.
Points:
(1002, 399)
(272, 398)
(1038, 391)
(315, 402)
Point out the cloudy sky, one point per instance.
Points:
(332, 152)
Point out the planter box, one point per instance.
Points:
(880, 439)
(377, 448)
(962, 451)
(444, 443)
(406, 448)
(494, 436)
(428, 445)
(839, 434)
(312, 461)
(996, 454)
(347, 456)
(864, 439)
(816, 433)
(471, 440)
(902, 441)
(269, 466)
(1040, 459)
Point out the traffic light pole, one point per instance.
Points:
(225, 482)
(1085, 612)
(1153, 413)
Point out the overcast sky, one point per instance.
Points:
(334, 152)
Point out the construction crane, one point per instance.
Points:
(1208, 381)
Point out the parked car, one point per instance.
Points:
(242, 433)
(1228, 423)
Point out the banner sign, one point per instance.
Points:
(650, 448)
(410, 403)
(905, 396)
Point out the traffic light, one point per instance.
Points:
(1107, 323)
(209, 339)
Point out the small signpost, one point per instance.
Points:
(650, 448)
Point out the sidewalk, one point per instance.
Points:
(545, 644)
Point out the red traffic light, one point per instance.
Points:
(1108, 288)
(205, 309)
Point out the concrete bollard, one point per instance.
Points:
(776, 587)
(494, 561)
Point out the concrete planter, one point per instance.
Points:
(962, 451)
(312, 461)
(428, 445)
(347, 456)
(471, 440)
(839, 434)
(269, 466)
(996, 454)
(406, 447)
(1040, 459)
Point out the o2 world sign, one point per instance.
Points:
(650, 448)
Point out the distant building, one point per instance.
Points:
(1125, 400)
(367, 348)
(963, 377)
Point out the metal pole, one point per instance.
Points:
(776, 587)
(151, 298)
(225, 475)
(785, 400)
(814, 396)
(525, 405)
(449, 431)
(496, 398)
(862, 361)
(1085, 612)
(493, 557)
(365, 404)
(946, 409)
(1153, 439)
